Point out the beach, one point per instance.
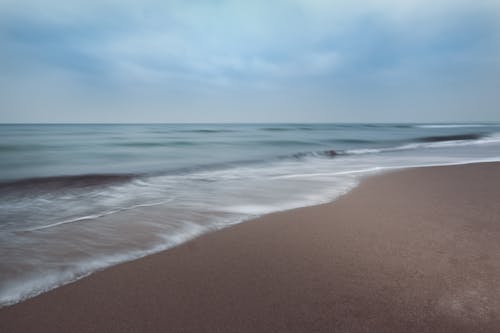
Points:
(416, 250)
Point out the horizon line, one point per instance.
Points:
(248, 123)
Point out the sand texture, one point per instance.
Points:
(416, 250)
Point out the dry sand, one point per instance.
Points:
(411, 251)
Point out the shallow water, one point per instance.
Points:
(77, 198)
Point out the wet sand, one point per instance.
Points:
(416, 250)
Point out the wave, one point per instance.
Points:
(6, 148)
(277, 129)
(32, 285)
(418, 143)
(146, 144)
(355, 141)
(35, 186)
(49, 184)
(285, 143)
(434, 142)
(94, 216)
(207, 131)
(456, 125)
(455, 137)
(322, 153)
(290, 128)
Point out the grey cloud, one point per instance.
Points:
(249, 61)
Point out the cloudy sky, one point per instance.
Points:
(249, 61)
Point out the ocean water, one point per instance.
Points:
(78, 198)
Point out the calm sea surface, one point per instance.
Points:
(78, 198)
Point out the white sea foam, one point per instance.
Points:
(117, 223)
(33, 284)
(95, 216)
(456, 125)
(17, 290)
(489, 139)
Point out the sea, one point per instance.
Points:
(77, 198)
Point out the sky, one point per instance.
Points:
(249, 61)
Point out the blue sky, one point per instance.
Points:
(249, 61)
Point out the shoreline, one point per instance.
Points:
(114, 259)
(39, 282)
(289, 277)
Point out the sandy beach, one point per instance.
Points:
(416, 250)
